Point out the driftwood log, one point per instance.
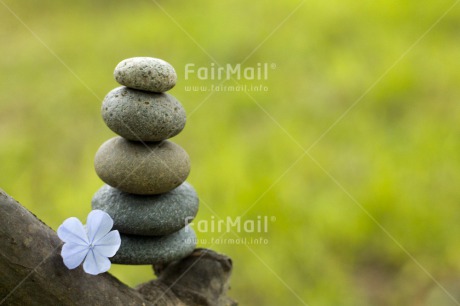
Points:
(32, 271)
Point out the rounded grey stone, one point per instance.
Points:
(145, 250)
(146, 73)
(152, 215)
(142, 168)
(139, 115)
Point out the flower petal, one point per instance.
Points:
(71, 230)
(73, 254)
(96, 263)
(98, 224)
(109, 244)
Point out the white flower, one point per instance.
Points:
(93, 245)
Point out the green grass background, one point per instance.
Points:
(367, 207)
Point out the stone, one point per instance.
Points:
(145, 250)
(142, 116)
(152, 215)
(142, 168)
(146, 73)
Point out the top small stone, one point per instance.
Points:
(146, 73)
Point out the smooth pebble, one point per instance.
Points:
(146, 73)
(142, 116)
(142, 168)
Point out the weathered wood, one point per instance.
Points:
(32, 271)
(204, 282)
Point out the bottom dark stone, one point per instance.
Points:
(150, 250)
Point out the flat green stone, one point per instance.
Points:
(144, 250)
(151, 215)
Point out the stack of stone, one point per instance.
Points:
(145, 192)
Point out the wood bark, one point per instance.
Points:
(32, 271)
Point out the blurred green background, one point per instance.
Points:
(366, 208)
